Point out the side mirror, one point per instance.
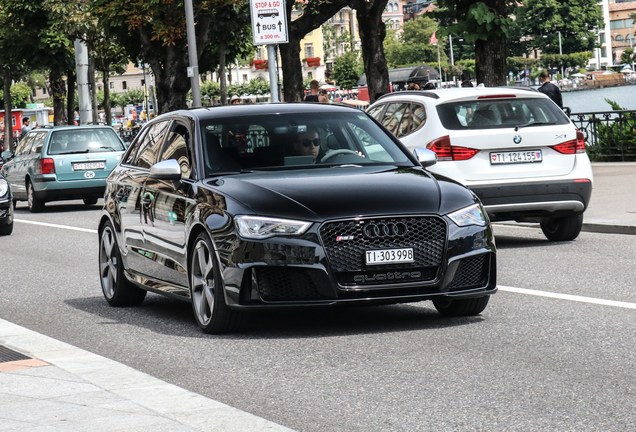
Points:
(6, 155)
(426, 157)
(166, 170)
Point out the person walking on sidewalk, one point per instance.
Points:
(550, 90)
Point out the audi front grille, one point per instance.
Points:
(346, 242)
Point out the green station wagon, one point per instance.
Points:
(62, 163)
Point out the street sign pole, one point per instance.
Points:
(269, 27)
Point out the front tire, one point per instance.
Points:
(6, 229)
(461, 307)
(117, 290)
(35, 204)
(208, 301)
(563, 229)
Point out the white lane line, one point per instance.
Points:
(92, 231)
(570, 297)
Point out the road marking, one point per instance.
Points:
(570, 297)
(92, 231)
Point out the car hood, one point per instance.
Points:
(331, 193)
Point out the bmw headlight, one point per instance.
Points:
(258, 227)
(471, 215)
(4, 187)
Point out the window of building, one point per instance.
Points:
(601, 37)
(622, 23)
(123, 85)
(603, 52)
(310, 75)
(143, 82)
(244, 78)
(34, 92)
(309, 50)
(111, 85)
(44, 90)
(619, 38)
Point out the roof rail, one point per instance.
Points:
(411, 92)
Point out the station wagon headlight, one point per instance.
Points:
(258, 227)
(471, 215)
(4, 187)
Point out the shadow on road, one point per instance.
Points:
(54, 207)
(514, 242)
(173, 317)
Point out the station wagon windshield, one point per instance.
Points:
(296, 141)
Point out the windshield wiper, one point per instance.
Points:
(74, 152)
(533, 124)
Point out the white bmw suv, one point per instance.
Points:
(514, 148)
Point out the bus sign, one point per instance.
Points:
(269, 22)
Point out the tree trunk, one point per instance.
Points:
(222, 77)
(8, 122)
(490, 61)
(58, 91)
(372, 32)
(107, 111)
(70, 101)
(292, 71)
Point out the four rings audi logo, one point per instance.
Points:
(384, 229)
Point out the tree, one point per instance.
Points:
(155, 32)
(627, 56)
(414, 46)
(372, 33)
(486, 24)
(347, 70)
(20, 94)
(313, 14)
(540, 22)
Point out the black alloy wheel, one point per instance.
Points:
(206, 290)
(564, 228)
(117, 290)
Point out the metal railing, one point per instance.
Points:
(609, 135)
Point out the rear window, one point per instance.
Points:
(70, 141)
(500, 113)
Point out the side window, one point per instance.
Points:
(177, 147)
(25, 145)
(406, 124)
(419, 116)
(150, 146)
(38, 142)
(376, 111)
(393, 116)
(130, 157)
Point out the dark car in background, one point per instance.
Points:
(288, 205)
(62, 163)
(6, 208)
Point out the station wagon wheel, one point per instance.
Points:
(208, 302)
(117, 290)
(90, 201)
(461, 307)
(35, 205)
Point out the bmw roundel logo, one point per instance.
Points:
(517, 139)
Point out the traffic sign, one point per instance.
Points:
(269, 22)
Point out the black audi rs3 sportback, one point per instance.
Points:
(236, 208)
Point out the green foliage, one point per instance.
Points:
(20, 95)
(347, 70)
(628, 56)
(475, 20)
(131, 97)
(468, 67)
(331, 39)
(518, 64)
(414, 46)
(540, 21)
(615, 141)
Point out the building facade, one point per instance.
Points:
(621, 27)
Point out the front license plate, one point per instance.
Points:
(389, 256)
(88, 166)
(516, 157)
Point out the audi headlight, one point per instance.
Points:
(471, 215)
(258, 227)
(4, 187)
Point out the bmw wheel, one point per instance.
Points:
(461, 307)
(35, 204)
(206, 290)
(563, 229)
(117, 290)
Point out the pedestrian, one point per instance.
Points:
(429, 86)
(466, 82)
(413, 86)
(549, 89)
(25, 126)
(235, 100)
(313, 96)
(322, 97)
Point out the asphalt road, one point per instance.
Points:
(529, 362)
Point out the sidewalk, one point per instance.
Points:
(48, 385)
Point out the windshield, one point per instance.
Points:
(500, 113)
(96, 140)
(296, 141)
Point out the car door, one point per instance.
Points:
(168, 202)
(127, 185)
